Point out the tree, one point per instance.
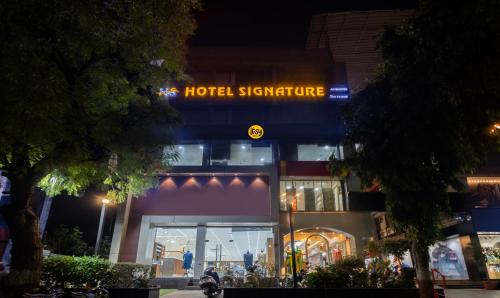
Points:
(78, 103)
(66, 241)
(427, 116)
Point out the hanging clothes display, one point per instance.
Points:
(337, 255)
(248, 259)
(299, 260)
(187, 260)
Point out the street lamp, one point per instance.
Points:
(101, 221)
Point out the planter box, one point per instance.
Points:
(134, 293)
(318, 293)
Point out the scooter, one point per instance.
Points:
(209, 286)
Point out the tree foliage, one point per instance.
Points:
(78, 80)
(67, 241)
(427, 116)
(79, 106)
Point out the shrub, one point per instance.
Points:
(352, 273)
(69, 271)
(347, 273)
(131, 275)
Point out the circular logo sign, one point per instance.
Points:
(255, 131)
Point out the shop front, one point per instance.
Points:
(317, 247)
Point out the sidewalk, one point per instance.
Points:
(471, 293)
(186, 294)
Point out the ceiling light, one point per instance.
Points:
(262, 159)
(201, 146)
(243, 147)
(302, 187)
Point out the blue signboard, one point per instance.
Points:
(338, 92)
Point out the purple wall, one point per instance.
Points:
(202, 195)
(198, 195)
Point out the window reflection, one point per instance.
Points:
(308, 195)
(316, 152)
(184, 154)
(241, 153)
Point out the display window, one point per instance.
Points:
(231, 250)
(447, 257)
(311, 195)
(174, 252)
(317, 247)
(490, 244)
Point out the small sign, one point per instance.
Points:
(255, 131)
(338, 92)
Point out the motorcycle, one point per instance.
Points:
(209, 286)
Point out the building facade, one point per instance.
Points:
(259, 126)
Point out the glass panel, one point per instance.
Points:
(232, 249)
(490, 244)
(315, 152)
(241, 153)
(184, 155)
(174, 250)
(311, 195)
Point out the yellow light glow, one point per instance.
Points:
(105, 201)
(477, 180)
(255, 91)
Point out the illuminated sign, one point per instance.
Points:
(168, 92)
(338, 92)
(252, 92)
(255, 131)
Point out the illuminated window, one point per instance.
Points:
(244, 153)
(184, 154)
(311, 195)
(315, 152)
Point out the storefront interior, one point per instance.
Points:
(317, 247)
(228, 249)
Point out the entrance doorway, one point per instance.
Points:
(317, 247)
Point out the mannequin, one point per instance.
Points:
(187, 259)
(248, 259)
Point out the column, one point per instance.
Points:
(199, 258)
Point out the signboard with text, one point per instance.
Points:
(288, 92)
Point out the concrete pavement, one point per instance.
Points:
(471, 293)
(450, 293)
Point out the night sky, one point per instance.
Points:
(271, 23)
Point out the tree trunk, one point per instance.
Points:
(425, 285)
(26, 252)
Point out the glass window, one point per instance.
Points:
(232, 249)
(490, 244)
(184, 154)
(309, 195)
(174, 251)
(315, 152)
(244, 153)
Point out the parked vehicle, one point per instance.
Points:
(209, 283)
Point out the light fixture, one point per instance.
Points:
(201, 147)
(289, 187)
(105, 201)
(316, 188)
(302, 187)
(262, 159)
(243, 147)
(327, 147)
(180, 147)
(318, 159)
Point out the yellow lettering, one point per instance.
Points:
(268, 91)
(189, 91)
(241, 91)
(229, 91)
(221, 91)
(301, 89)
(257, 91)
(280, 91)
(289, 91)
(201, 91)
(309, 91)
(211, 91)
(320, 91)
